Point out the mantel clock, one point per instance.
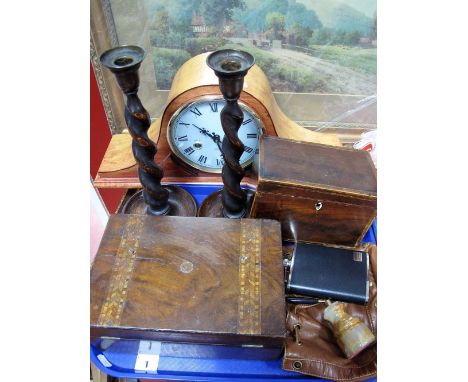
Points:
(189, 132)
(195, 134)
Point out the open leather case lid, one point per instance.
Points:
(318, 354)
(197, 280)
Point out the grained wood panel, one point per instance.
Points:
(319, 193)
(334, 168)
(335, 223)
(191, 279)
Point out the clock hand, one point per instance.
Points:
(215, 137)
(217, 140)
(202, 130)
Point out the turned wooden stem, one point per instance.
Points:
(124, 62)
(231, 66)
(233, 197)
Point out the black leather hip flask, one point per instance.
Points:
(329, 272)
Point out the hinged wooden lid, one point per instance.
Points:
(199, 280)
(324, 168)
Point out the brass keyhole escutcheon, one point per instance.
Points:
(318, 206)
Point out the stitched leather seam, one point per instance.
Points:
(305, 306)
(341, 379)
(331, 364)
(369, 315)
(321, 375)
(370, 319)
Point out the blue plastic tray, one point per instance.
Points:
(121, 355)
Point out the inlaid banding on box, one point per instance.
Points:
(250, 278)
(122, 270)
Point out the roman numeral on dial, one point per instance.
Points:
(196, 111)
(251, 135)
(202, 159)
(219, 162)
(248, 149)
(182, 138)
(189, 150)
(247, 121)
(183, 123)
(214, 107)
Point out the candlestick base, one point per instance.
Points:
(180, 203)
(212, 206)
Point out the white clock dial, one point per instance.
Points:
(195, 134)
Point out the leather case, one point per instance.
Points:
(329, 272)
(314, 351)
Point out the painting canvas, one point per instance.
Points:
(304, 46)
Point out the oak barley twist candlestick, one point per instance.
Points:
(155, 199)
(230, 66)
